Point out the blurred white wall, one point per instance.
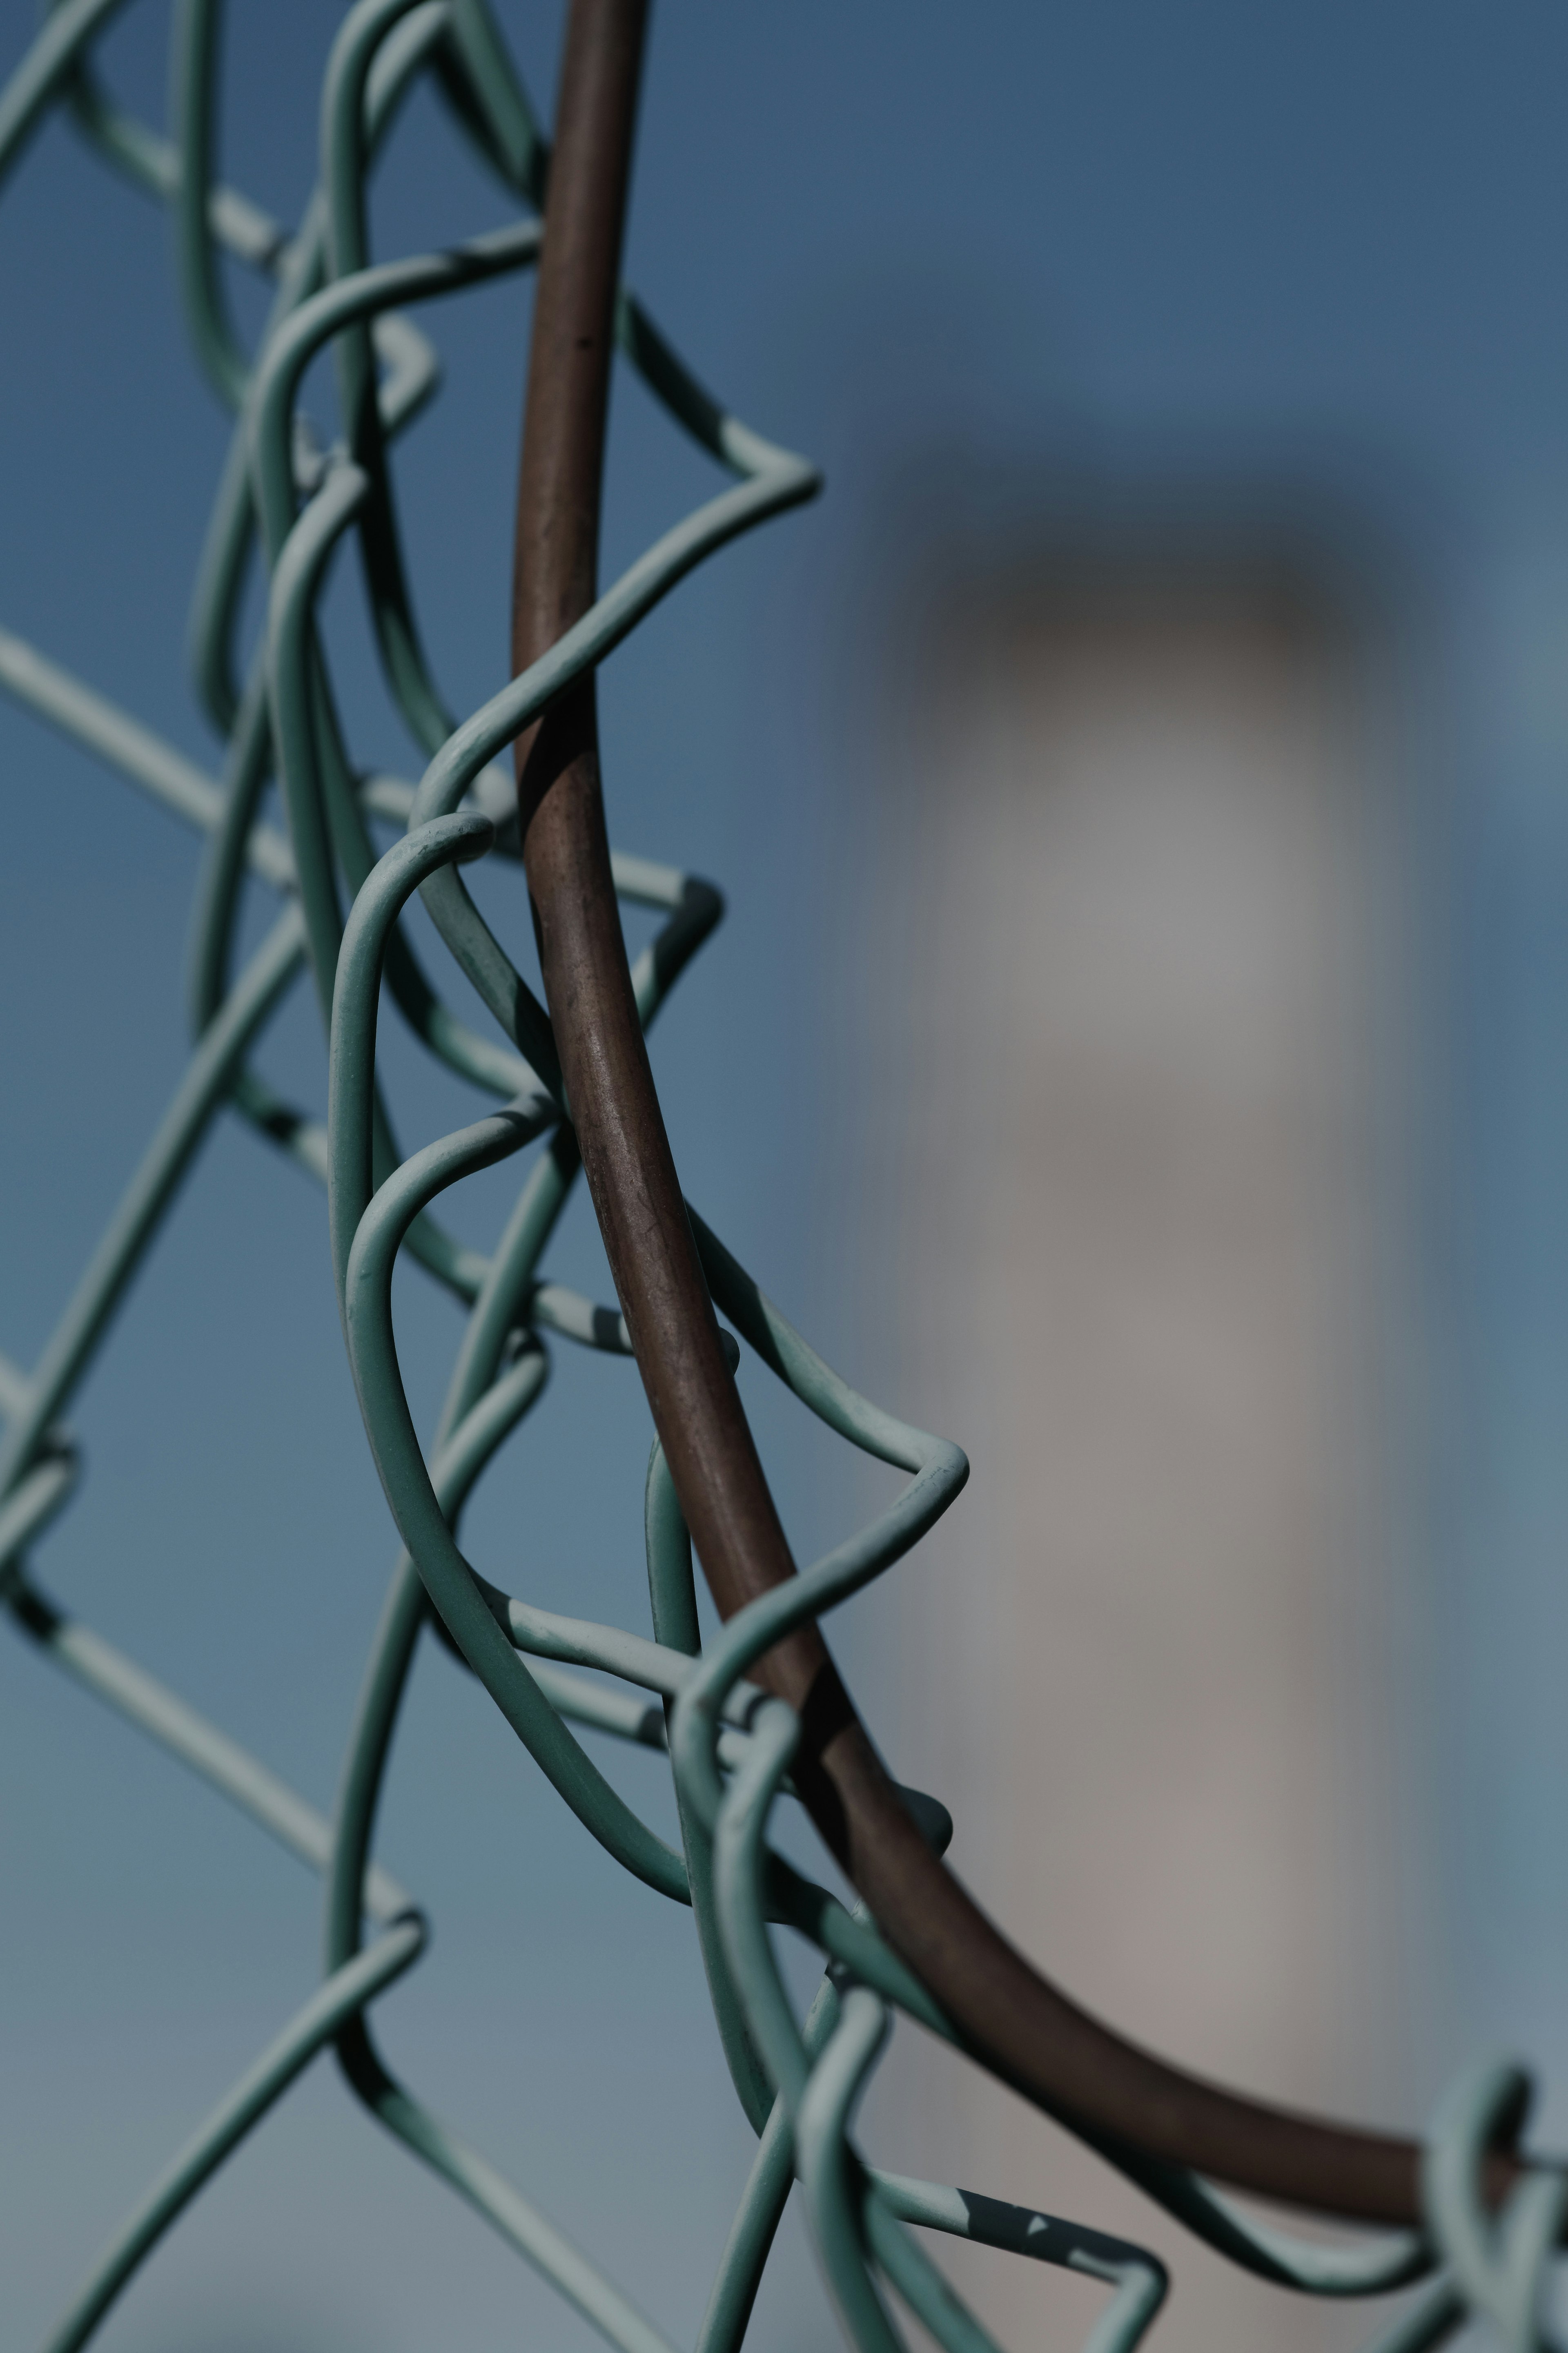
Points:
(1131, 1177)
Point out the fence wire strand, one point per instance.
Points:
(289, 496)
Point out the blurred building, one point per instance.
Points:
(1138, 1138)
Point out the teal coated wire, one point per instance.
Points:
(287, 497)
(340, 1996)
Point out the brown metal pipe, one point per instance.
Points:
(625, 1152)
(1032, 2034)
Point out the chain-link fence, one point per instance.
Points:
(759, 1715)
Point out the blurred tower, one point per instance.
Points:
(1132, 1124)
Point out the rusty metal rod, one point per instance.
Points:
(1028, 2031)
